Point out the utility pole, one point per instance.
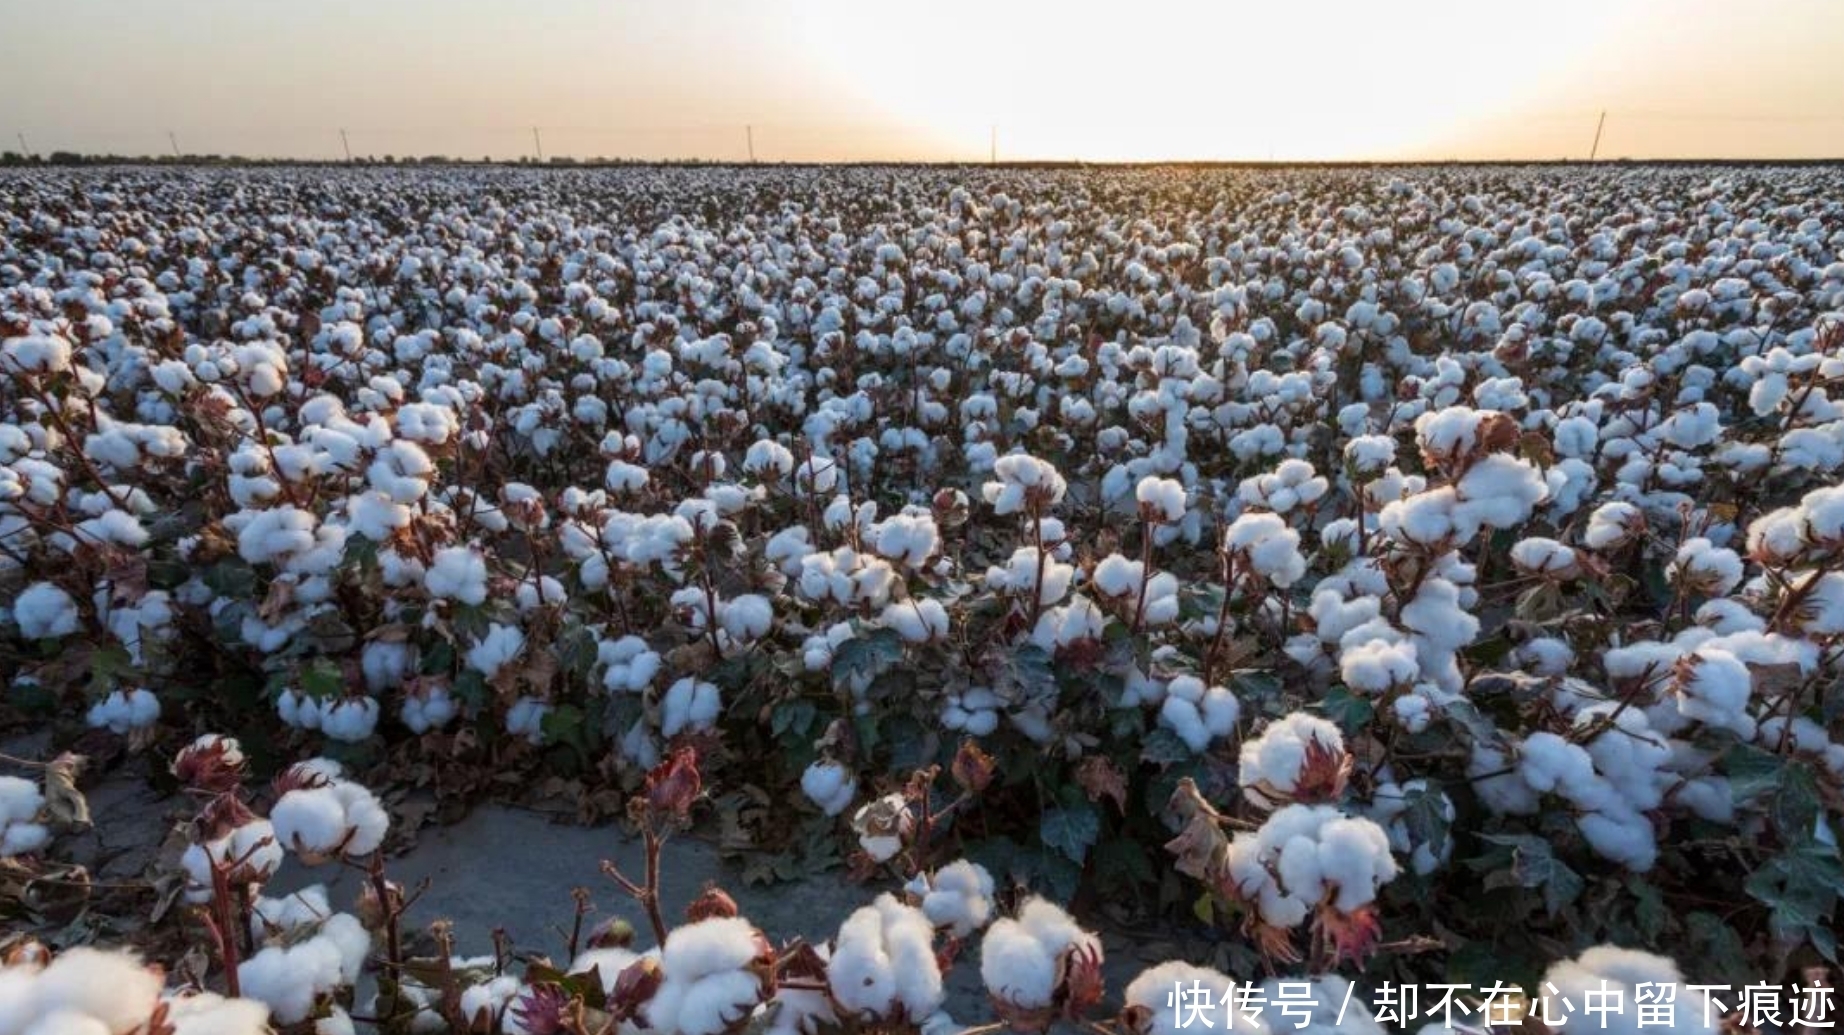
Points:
(750, 133)
(347, 144)
(537, 142)
(1596, 149)
(171, 139)
(23, 147)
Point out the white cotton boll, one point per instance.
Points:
(1019, 957)
(386, 663)
(1272, 764)
(430, 708)
(1198, 714)
(546, 592)
(427, 423)
(36, 354)
(957, 897)
(458, 573)
(1379, 665)
(43, 611)
(1713, 686)
(1116, 576)
(690, 705)
(1612, 975)
(1270, 548)
(1370, 454)
(1705, 568)
(1021, 478)
(205, 1013)
(917, 620)
(631, 664)
(746, 618)
(350, 719)
(125, 711)
(909, 539)
(20, 832)
(114, 989)
(496, 648)
(829, 785)
(1540, 556)
(1163, 498)
(625, 477)
(526, 719)
(707, 986)
(1303, 854)
(883, 963)
(1613, 525)
(768, 459)
(1149, 996)
(1076, 622)
(337, 817)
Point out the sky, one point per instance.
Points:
(940, 80)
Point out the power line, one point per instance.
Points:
(538, 143)
(345, 143)
(171, 139)
(1596, 149)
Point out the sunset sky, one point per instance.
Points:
(863, 79)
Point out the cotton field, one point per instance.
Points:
(1394, 576)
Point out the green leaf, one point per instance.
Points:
(1752, 772)
(1800, 887)
(1717, 943)
(1164, 747)
(1031, 672)
(866, 656)
(795, 717)
(577, 651)
(1348, 710)
(563, 725)
(1071, 829)
(321, 679)
(1532, 864)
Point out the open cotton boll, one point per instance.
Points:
(1706, 569)
(1612, 975)
(36, 354)
(125, 711)
(956, 898)
(1305, 855)
(1714, 687)
(251, 850)
(1333, 1007)
(338, 817)
(206, 1013)
(292, 978)
(1379, 665)
(491, 652)
(1078, 621)
(1021, 576)
(1116, 576)
(1021, 477)
(349, 719)
(82, 989)
(1613, 525)
(20, 831)
(709, 981)
(1547, 557)
(430, 707)
(1821, 612)
(916, 620)
(1022, 958)
(829, 785)
(909, 539)
(689, 705)
(746, 618)
(1151, 1010)
(768, 459)
(1294, 752)
(883, 965)
(1268, 546)
(43, 612)
(458, 573)
(1198, 714)
(1161, 498)
(631, 664)
(526, 719)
